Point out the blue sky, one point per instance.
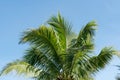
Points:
(19, 15)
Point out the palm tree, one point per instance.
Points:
(57, 53)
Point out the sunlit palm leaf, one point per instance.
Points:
(62, 29)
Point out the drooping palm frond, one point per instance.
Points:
(40, 36)
(43, 61)
(86, 65)
(43, 38)
(20, 67)
(96, 63)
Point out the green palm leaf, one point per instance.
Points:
(85, 38)
(20, 67)
(45, 40)
(62, 29)
(103, 58)
(45, 62)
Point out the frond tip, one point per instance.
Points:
(100, 61)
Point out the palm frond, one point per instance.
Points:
(85, 65)
(79, 66)
(43, 38)
(83, 44)
(99, 62)
(46, 62)
(86, 37)
(20, 67)
(105, 56)
(62, 29)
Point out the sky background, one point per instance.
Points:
(18, 15)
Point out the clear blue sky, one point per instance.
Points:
(18, 15)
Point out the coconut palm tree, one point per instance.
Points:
(57, 53)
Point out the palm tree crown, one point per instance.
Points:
(57, 53)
